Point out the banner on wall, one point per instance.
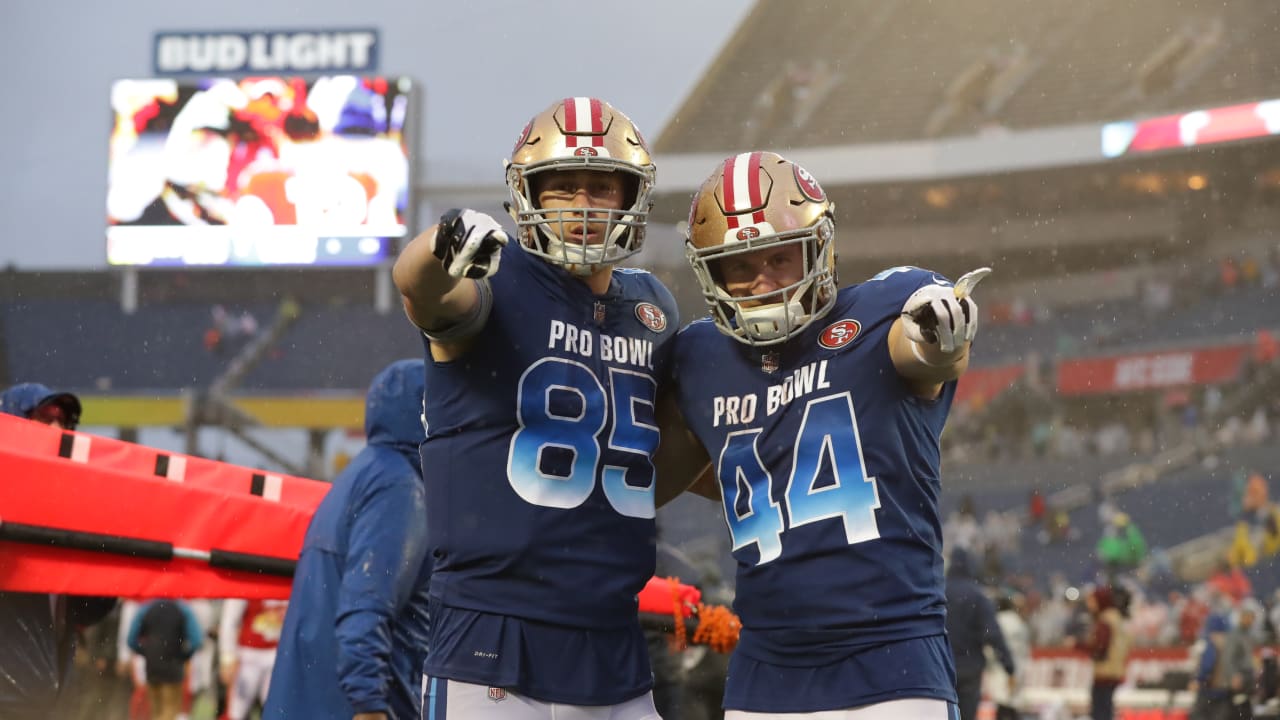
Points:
(1061, 678)
(1145, 371)
(982, 384)
(265, 52)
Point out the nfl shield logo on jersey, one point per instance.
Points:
(770, 361)
(497, 694)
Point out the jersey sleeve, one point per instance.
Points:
(889, 289)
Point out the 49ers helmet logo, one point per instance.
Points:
(524, 135)
(748, 233)
(839, 333)
(809, 185)
(586, 151)
(651, 316)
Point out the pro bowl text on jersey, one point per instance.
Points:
(741, 409)
(609, 348)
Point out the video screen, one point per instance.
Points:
(258, 171)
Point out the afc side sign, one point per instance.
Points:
(266, 52)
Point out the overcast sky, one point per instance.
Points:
(486, 66)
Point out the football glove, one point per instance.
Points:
(469, 244)
(941, 315)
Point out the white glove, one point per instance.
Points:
(943, 315)
(469, 244)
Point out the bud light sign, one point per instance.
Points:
(266, 52)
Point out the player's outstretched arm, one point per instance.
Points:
(437, 272)
(681, 460)
(930, 340)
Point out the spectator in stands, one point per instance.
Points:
(166, 634)
(1037, 507)
(1004, 689)
(1239, 665)
(354, 634)
(1230, 582)
(1121, 547)
(1148, 620)
(1108, 646)
(1053, 616)
(1195, 614)
(1250, 272)
(971, 628)
(1228, 273)
(1058, 527)
(1210, 682)
(38, 631)
(962, 530)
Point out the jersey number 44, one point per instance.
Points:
(828, 437)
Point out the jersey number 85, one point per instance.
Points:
(562, 407)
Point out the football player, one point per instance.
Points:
(818, 409)
(248, 635)
(542, 365)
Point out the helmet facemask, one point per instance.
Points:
(548, 231)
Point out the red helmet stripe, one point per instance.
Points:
(728, 182)
(753, 183)
(571, 114)
(742, 190)
(571, 121)
(597, 123)
(753, 180)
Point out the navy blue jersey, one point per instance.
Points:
(540, 480)
(829, 469)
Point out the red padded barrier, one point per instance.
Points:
(70, 481)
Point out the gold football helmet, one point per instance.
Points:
(759, 200)
(574, 134)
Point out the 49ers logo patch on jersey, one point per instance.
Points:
(839, 333)
(652, 316)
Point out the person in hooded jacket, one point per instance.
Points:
(353, 637)
(971, 627)
(1108, 646)
(38, 631)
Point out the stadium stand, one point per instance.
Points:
(962, 68)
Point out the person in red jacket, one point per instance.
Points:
(1108, 646)
(248, 634)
